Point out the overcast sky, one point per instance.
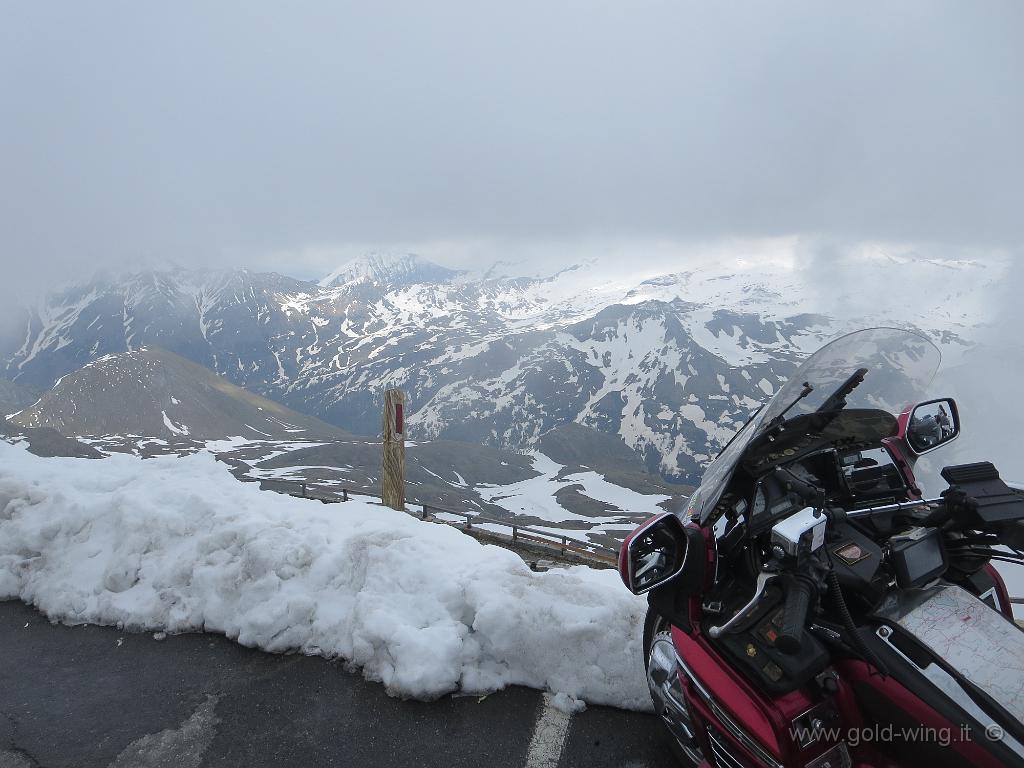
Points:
(284, 135)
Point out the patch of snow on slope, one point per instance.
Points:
(178, 545)
(536, 495)
(175, 428)
(625, 499)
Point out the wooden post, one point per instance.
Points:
(393, 475)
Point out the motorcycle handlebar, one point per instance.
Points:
(868, 511)
(794, 615)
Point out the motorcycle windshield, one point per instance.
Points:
(900, 365)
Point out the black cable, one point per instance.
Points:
(973, 540)
(992, 555)
(836, 592)
(1006, 560)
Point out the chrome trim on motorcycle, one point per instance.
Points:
(663, 681)
(868, 511)
(727, 721)
(665, 685)
(747, 610)
(720, 751)
(812, 722)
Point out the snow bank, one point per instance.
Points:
(177, 544)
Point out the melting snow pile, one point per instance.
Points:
(177, 544)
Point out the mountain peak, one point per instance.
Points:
(387, 269)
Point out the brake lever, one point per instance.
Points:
(744, 613)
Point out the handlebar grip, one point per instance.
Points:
(794, 615)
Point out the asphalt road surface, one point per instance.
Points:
(97, 696)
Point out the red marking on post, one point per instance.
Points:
(398, 418)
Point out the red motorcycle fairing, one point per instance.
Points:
(731, 707)
(768, 721)
(861, 675)
(724, 699)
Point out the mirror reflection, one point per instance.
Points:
(932, 424)
(657, 555)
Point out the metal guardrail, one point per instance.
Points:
(563, 542)
(566, 543)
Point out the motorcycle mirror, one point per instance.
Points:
(932, 424)
(655, 553)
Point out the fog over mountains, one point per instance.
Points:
(671, 363)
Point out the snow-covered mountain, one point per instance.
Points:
(671, 363)
(385, 270)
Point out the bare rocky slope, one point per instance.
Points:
(155, 393)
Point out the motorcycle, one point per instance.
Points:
(812, 608)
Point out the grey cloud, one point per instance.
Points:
(143, 132)
(266, 134)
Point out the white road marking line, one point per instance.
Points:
(549, 736)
